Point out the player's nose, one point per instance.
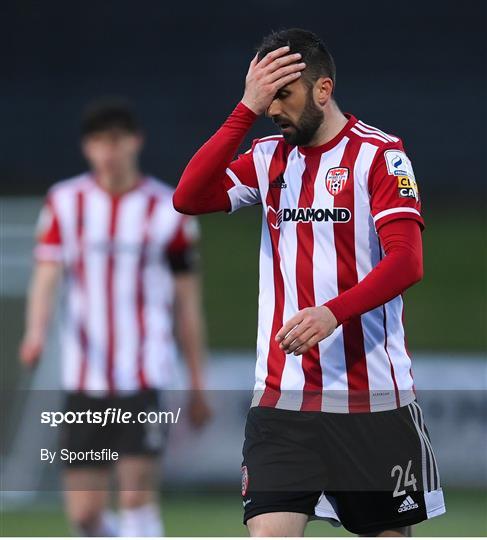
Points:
(274, 109)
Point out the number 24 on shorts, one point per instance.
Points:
(409, 479)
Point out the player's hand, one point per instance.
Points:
(266, 77)
(199, 410)
(307, 328)
(30, 350)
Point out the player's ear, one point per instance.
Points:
(140, 137)
(323, 90)
(84, 147)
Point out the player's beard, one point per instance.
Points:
(310, 120)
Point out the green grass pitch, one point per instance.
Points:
(220, 514)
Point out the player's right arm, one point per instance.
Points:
(45, 278)
(211, 182)
(40, 300)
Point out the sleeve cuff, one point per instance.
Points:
(392, 214)
(243, 109)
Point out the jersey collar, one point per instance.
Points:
(140, 182)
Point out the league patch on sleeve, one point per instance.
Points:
(407, 187)
(398, 164)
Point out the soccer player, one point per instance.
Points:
(130, 269)
(334, 431)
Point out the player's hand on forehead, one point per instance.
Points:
(278, 57)
(265, 77)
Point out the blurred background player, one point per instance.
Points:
(129, 263)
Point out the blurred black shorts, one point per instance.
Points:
(128, 439)
(367, 471)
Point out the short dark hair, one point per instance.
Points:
(318, 59)
(109, 113)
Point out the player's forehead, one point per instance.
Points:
(110, 134)
(294, 87)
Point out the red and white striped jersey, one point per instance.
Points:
(322, 208)
(118, 253)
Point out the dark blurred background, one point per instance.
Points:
(416, 69)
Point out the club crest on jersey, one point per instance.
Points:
(245, 480)
(336, 179)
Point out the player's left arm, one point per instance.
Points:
(183, 259)
(396, 210)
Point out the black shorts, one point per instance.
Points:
(368, 471)
(127, 439)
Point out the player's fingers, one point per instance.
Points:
(284, 331)
(283, 81)
(296, 334)
(300, 340)
(271, 56)
(292, 336)
(282, 72)
(309, 344)
(278, 63)
(254, 62)
(297, 330)
(289, 337)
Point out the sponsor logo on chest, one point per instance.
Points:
(307, 215)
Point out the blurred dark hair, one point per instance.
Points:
(318, 59)
(109, 113)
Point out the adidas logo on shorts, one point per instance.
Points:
(407, 504)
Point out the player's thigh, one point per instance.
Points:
(277, 524)
(138, 480)
(282, 456)
(137, 473)
(282, 471)
(86, 493)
